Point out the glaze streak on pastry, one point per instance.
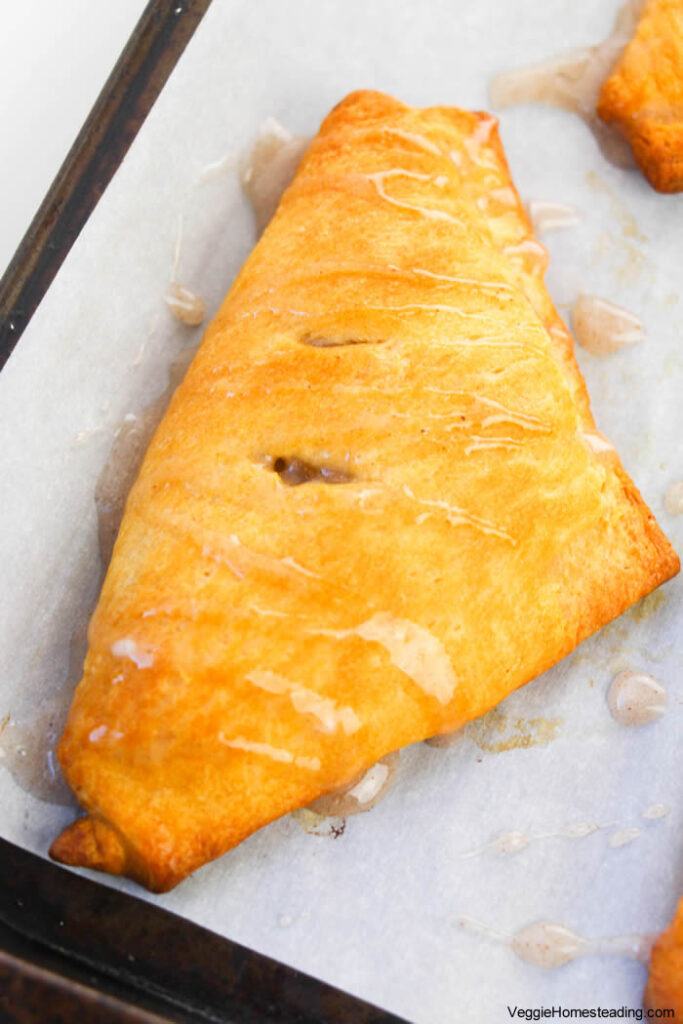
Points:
(272, 642)
(643, 97)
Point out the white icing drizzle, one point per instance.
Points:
(505, 415)
(379, 177)
(510, 842)
(231, 551)
(128, 647)
(270, 611)
(623, 836)
(97, 734)
(527, 251)
(371, 784)
(330, 715)
(597, 442)
(581, 829)
(501, 413)
(292, 564)
(505, 196)
(635, 698)
(549, 216)
(602, 328)
(486, 443)
(457, 516)
(184, 304)
(216, 168)
(475, 142)
(471, 282)
(418, 140)
(411, 648)
(275, 753)
(673, 499)
(513, 841)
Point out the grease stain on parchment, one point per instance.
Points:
(648, 606)
(318, 824)
(623, 216)
(496, 732)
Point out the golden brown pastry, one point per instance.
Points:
(643, 97)
(376, 505)
(665, 982)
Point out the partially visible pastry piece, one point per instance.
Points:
(643, 97)
(665, 984)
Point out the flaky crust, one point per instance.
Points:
(665, 982)
(258, 644)
(643, 97)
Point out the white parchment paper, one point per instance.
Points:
(375, 911)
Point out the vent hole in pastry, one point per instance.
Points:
(294, 471)
(336, 341)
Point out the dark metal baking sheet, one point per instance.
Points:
(147, 60)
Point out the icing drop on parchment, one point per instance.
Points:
(635, 698)
(28, 750)
(549, 944)
(623, 836)
(602, 328)
(549, 216)
(656, 811)
(131, 441)
(269, 168)
(510, 842)
(28, 743)
(185, 305)
(120, 470)
(361, 794)
(546, 944)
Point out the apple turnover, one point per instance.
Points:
(643, 97)
(377, 504)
